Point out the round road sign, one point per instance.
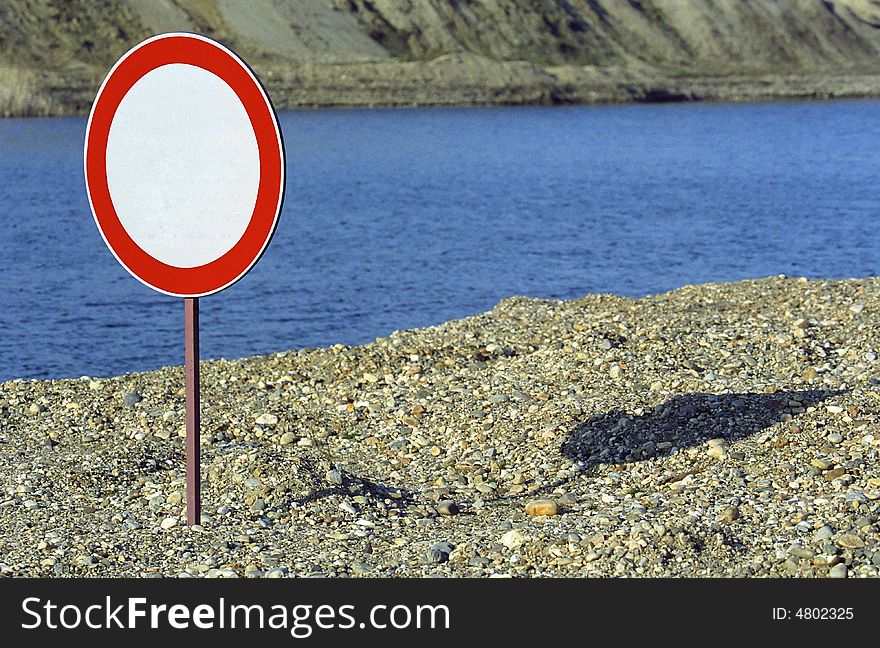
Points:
(184, 165)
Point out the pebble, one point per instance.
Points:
(267, 419)
(849, 541)
(838, 571)
(132, 398)
(334, 477)
(447, 507)
(513, 539)
(833, 474)
(439, 552)
(729, 515)
(168, 523)
(823, 533)
(541, 507)
(287, 438)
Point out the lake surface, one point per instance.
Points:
(404, 218)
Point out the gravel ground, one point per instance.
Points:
(717, 430)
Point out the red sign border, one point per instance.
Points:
(208, 54)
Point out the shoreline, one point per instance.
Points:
(463, 83)
(726, 429)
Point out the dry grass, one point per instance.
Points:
(21, 94)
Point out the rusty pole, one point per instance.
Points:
(191, 342)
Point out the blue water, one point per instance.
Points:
(403, 218)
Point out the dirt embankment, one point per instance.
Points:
(460, 52)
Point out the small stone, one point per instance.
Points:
(436, 557)
(835, 438)
(267, 419)
(447, 507)
(168, 523)
(810, 374)
(831, 475)
(439, 552)
(360, 569)
(615, 371)
(849, 541)
(802, 552)
(834, 409)
(823, 533)
(821, 464)
(513, 539)
(838, 571)
(728, 515)
(287, 438)
(435, 451)
(334, 477)
(132, 398)
(541, 507)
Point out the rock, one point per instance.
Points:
(447, 507)
(132, 398)
(443, 546)
(838, 571)
(541, 507)
(821, 464)
(823, 533)
(287, 438)
(801, 552)
(360, 569)
(334, 477)
(513, 539)
(168, 523)
(439, 552)
(849, 541)
(267, 419)
(729, 515)
(810, 374)
(831, 475)
(834, 409)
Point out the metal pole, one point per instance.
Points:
(191, 341)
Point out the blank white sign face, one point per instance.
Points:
(183, 165)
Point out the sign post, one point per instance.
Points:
(193, 419)
(185, 173)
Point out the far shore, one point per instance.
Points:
(459, 82)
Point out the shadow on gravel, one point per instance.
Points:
(684, 421)
(349, 485)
